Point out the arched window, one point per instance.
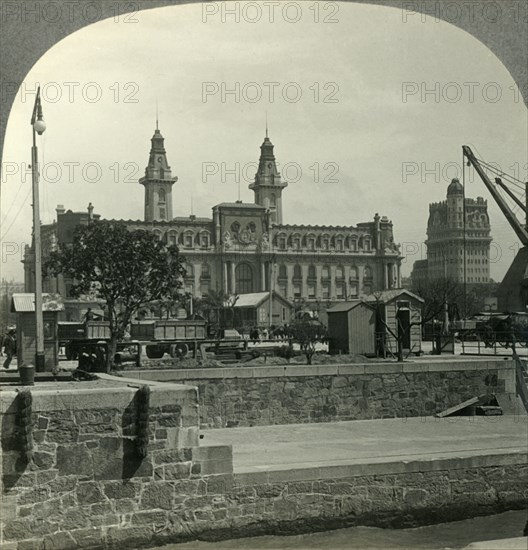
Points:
(172, 238)
(368, 272)
(296, 241)
(273, 200)
(206, 272)
(189, 240)
(311, 272)
(353, 243)
(340, 273)
(325, 273)
(189, 271)
(297, 272)
(353, 273)
(283, 274)
(244, 278)
(204, 239)
(161, 194)
(157, 234)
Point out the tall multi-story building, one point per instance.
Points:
(246, 247)
(450, 242)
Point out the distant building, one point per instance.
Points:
(247, 248)
(7, 289)
(448, 244)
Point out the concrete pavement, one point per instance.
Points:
(282, 447)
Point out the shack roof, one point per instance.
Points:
(255, 299)
(385, 296)
(25, 302)
(347, 306)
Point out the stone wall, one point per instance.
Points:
(85, 484)
(251, 396)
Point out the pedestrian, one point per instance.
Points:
(88, 316)
(9, 344)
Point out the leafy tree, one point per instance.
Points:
(127, 269)
(306, 333)
(461, 301)
(214, 307)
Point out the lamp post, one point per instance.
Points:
(270, 312)
(38, 126)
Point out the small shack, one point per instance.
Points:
(369, 326)
(352, 328)
(399, 313)
(23, 305)
(253, 310)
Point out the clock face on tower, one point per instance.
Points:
(160, 159)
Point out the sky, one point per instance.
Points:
(369, 114)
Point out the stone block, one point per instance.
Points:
(172, 456)
(183, 437)
(212, 452)
(116, 490)
(157, 495)
(58, 541)
(180, 470)
(33, 495)
(415, 497)
(89, 493)
(61, 485)
(88, 538)
(157, 518)
(26, 528)
(219, 484)
(129, 537)
(125, 506)
(74, 459)
(107, 458)
(76, 518)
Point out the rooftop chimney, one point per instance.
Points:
(60, 209)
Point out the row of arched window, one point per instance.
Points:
(325, 241)
(187, 238)
(325, 272)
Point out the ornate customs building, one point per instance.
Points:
(447, 238)
(245, 248)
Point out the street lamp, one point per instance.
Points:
(38, 126)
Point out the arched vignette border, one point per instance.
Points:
(23, 43)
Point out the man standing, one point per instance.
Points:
(9, 347)
(88, 316)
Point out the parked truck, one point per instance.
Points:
(173, 336)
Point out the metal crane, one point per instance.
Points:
(513, 291)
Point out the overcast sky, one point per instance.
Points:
(364, 62)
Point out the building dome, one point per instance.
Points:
(455, 188)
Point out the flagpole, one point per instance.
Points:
(38, 126)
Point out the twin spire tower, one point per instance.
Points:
(158, 181)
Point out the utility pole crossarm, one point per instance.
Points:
(519, 229)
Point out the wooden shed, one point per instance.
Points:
(24, 307)
(369, 326)
(400, 311)
(253, 310)
(352, 328)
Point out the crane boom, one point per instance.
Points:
(519, 229)
(515, 199)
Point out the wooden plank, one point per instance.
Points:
(457, 408)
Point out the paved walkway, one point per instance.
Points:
(265, 448)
